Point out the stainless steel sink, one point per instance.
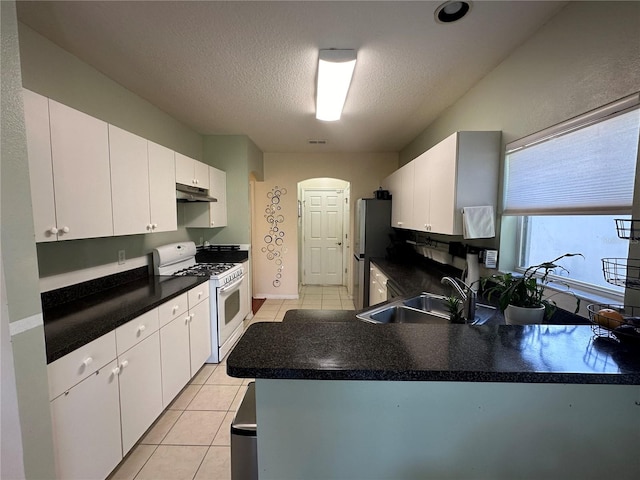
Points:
(427, 308)
(428, 302)
(401, 314)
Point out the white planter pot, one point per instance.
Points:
(523, 316)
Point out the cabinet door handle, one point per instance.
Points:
(175, 308)
(124, 364)
(154, 226)
(87, 361)
(142, 328)
(53, 230)
(116, 371)
(65, 229)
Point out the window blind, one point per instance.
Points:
(584, 166)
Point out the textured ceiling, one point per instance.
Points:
(249, 67)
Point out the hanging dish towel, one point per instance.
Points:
(477, 222)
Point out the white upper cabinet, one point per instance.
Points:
(191, 172)
(129, 182)
(82, 180)
(213, 214)
(36, 112)
(218, 190)
(434, 187)
(162, 188)
(69, 171)
(91, 179)
(460, 171)
(400, 185)
(143, 184)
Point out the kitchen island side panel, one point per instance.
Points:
(416, 430)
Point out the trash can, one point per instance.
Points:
(244, 452)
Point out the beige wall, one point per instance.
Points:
(284, 170)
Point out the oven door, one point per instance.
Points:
(229, 309)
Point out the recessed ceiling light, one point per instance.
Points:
(451, 11)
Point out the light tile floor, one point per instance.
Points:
(191, 439)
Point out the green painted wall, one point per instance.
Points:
(24, 373)
(239, 157)
(53, 72)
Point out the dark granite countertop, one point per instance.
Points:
(314, 316)
(411, 352)
(73, 319)
(416, 274)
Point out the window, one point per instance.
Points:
(546, 237)
(568, 184)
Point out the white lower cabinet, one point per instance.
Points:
(377, 286)
(185, 339)
(106, 394)
(140, 389)
(176, 358)
(86, 426)
(199, 334)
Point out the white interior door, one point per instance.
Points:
(323, 237)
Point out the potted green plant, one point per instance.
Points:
(521, 297)
(454, 306)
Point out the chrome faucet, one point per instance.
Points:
(467, 295)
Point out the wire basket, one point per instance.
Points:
(603, 324)
(622, 272)
(628, 228)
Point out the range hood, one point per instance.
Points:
(187, 193)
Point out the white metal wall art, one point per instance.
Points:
(274, 248)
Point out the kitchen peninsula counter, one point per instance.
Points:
(440, 401)
(355, 350)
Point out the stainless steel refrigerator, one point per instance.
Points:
(372, 237)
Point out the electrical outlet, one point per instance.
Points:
(121, 257)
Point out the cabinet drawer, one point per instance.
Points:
(197, 294)
(173, 309)
(136, 330)
(74, 367)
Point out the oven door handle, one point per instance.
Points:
(231, 286)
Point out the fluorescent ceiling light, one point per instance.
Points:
(335, 69)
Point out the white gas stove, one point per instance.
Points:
(228, 295)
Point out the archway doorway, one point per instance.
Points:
(323, 226)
